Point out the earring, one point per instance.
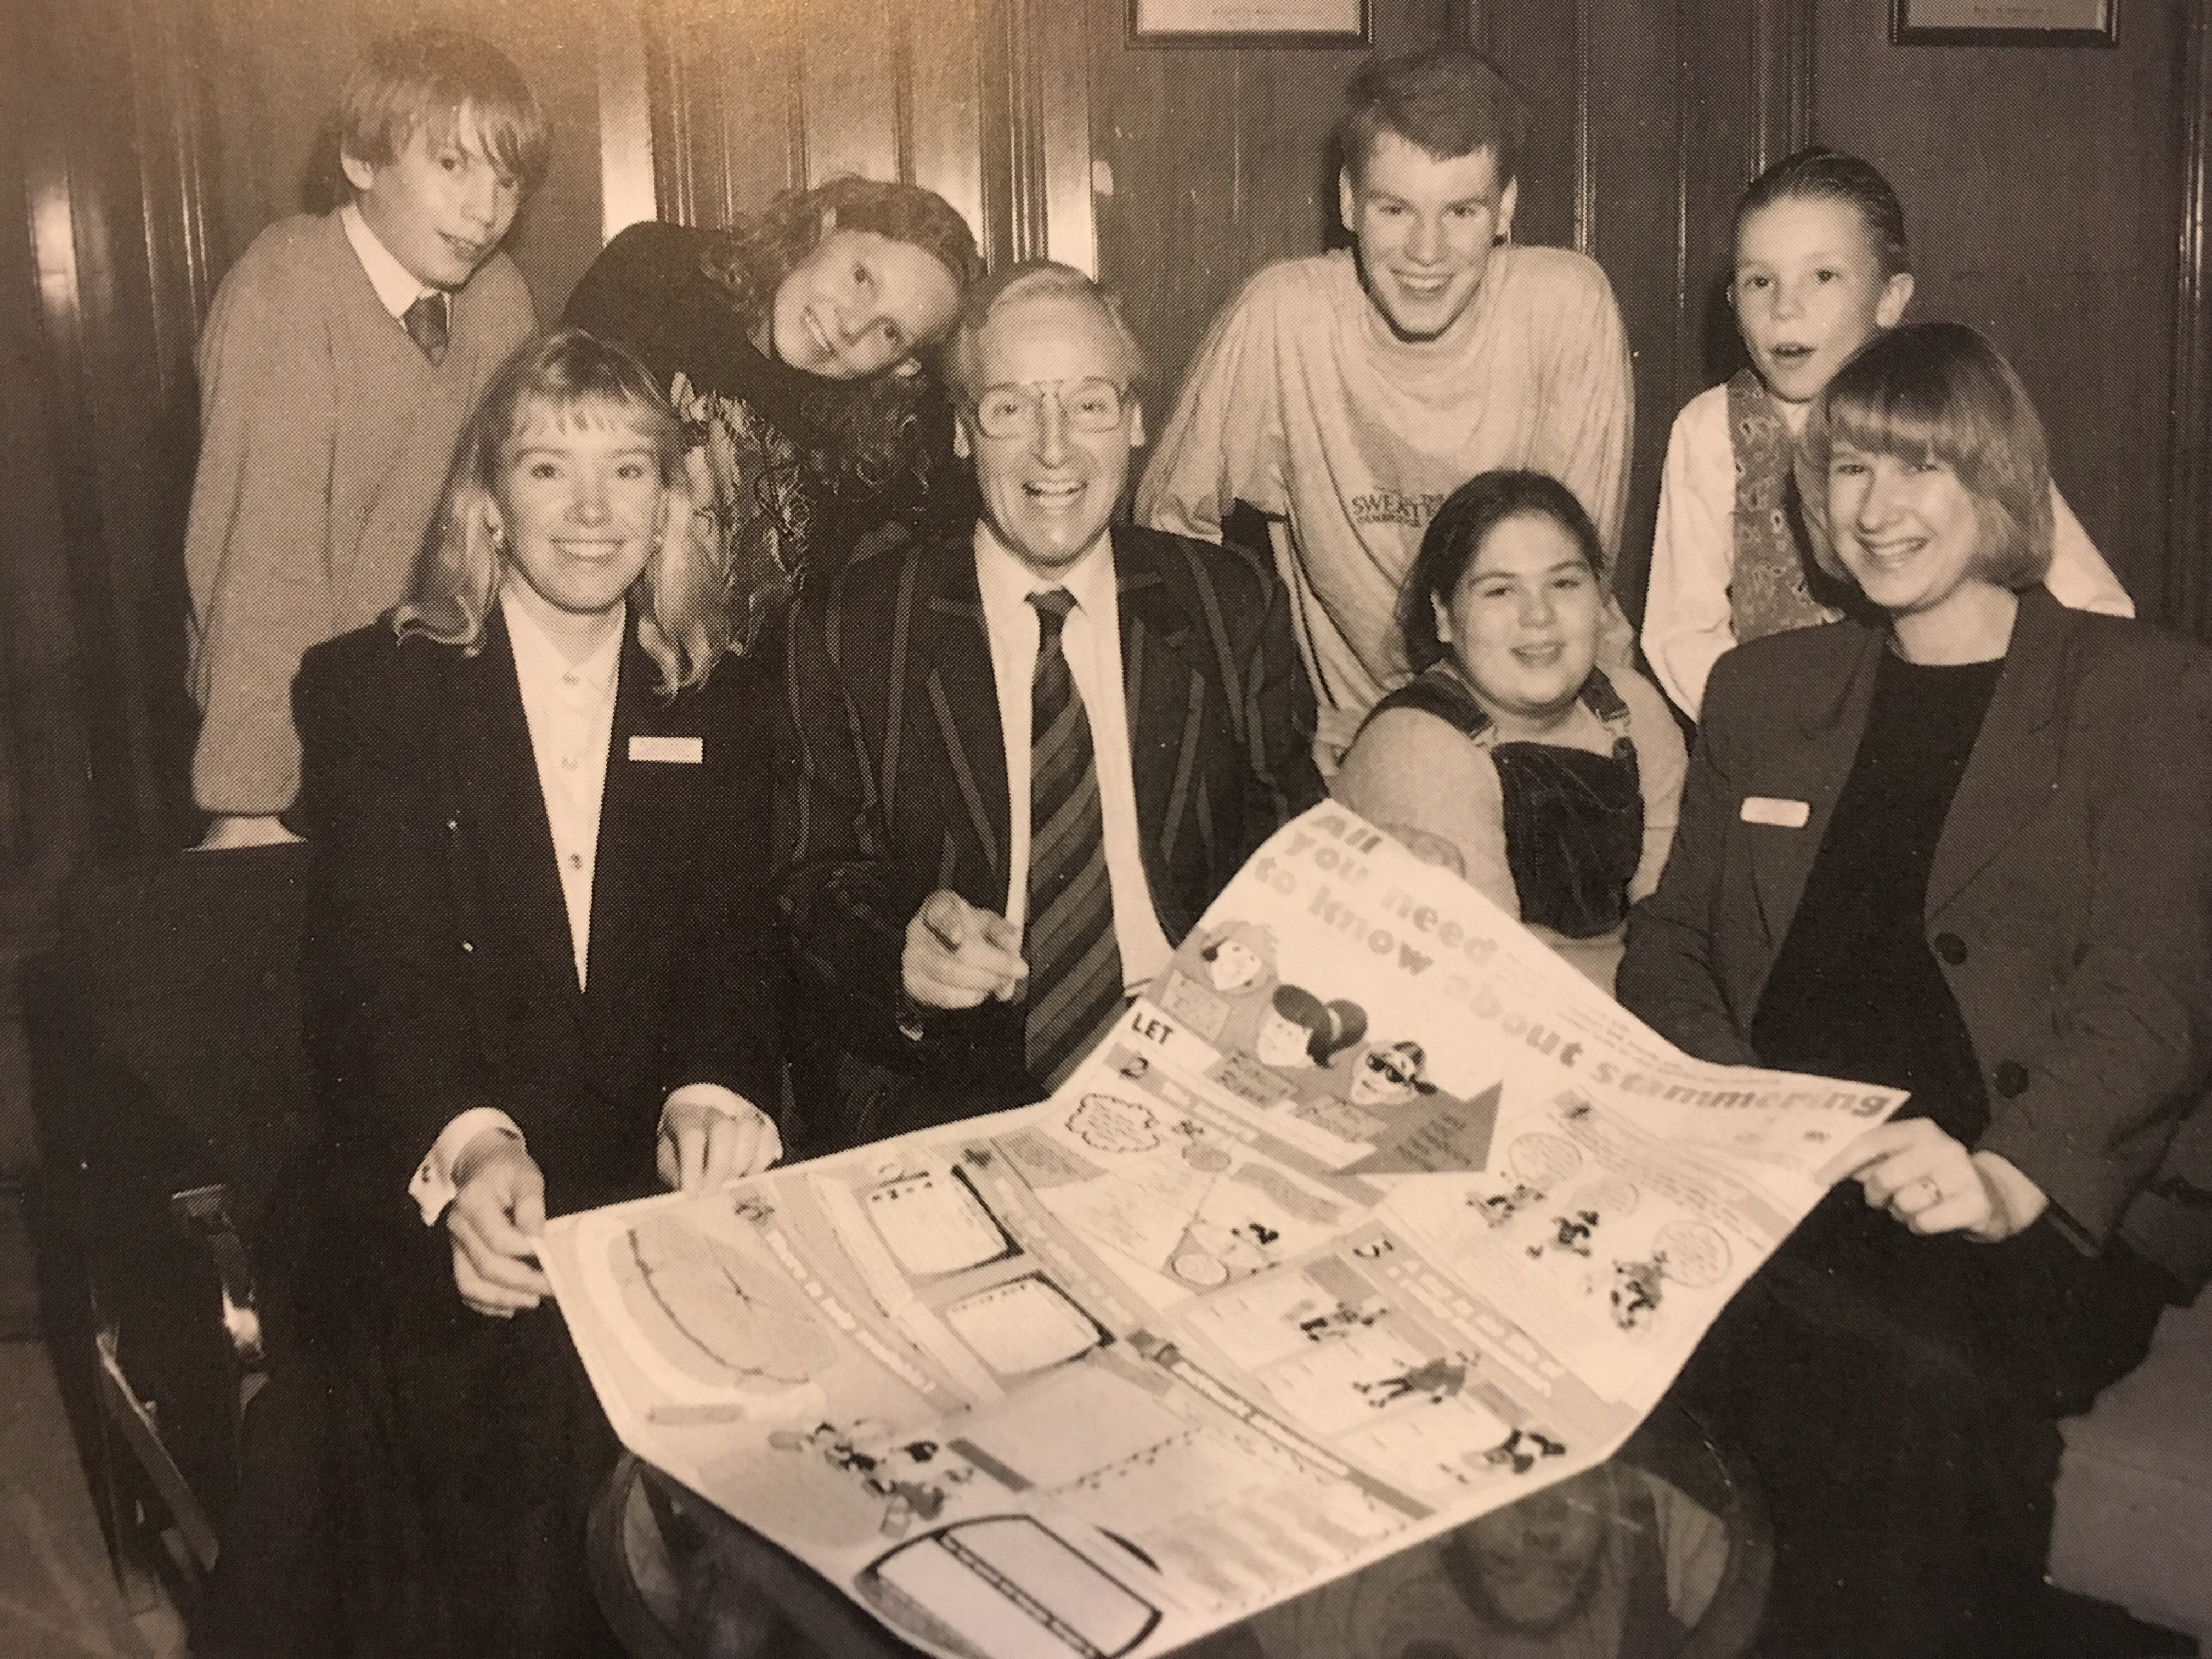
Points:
(1501, 238)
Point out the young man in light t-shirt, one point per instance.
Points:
(1345, 395)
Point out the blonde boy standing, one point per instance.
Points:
(340, 360)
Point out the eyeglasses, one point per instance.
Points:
(1388, 1065)
(1011, 410)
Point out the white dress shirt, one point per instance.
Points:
(1091, 638)
(570, 708)
(396, 286)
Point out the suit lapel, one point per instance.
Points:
(495, 781)
(1167, 697)
(627, 836)
(1162, 695)
(2015, 763)
(1812, 771)
(938, 628)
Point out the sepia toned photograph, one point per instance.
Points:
(1063, 829)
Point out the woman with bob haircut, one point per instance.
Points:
(1512, 757)
(794, 345)
(540, 973)
(1962, 850)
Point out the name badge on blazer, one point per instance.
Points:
(1766, 809)
(680, 751)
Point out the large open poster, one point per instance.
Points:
(1371, 1217)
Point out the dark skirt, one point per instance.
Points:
(466, 1455)
(1899, 1398)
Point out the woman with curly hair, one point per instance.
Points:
(790, 345)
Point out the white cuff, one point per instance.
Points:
(432, 1188)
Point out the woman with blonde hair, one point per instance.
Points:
(540, 975)
(1962, 849)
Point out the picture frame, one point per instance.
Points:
(2004, 22)
(1251, 23)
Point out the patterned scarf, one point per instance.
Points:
(1767, 591)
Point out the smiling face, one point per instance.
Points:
(441, 205)
(1809, 290)
(1426, 229)
(1523, 624)
(581, 503)
(1282, 1043)
(1235, 965)
(1050, 488)
(1384, 1077)
(1906, 530)
(859, 304)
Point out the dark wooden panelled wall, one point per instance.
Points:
(2057, 198)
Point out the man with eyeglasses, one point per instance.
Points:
(1016, 765)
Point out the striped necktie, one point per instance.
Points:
(1075, 965)
(426, 325)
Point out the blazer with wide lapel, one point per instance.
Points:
(942, 749)
(595, 1060)
(2010, 776)
(2020, 893)
(895, 780)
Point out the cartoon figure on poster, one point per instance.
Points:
(1366, 1088)
(913, 1477)
(1384, 1103)
(1221, 983)
(1296, 1037)
(1499, 1207)
(1341, 1321)
(1637, 1290)
(1246, 1224)
(1521, 1449)
(1567, 1230)
(1439, 1379)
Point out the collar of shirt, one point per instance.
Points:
(542, 666)
(396, 286)
(1005, 583)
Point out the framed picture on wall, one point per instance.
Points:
(2004, 22)
(1249, 22)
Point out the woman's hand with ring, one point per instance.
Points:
(1925, 1178)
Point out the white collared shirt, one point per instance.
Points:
(396, 286)
(1091, 639)
(571, 710)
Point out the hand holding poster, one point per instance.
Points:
(1372, 1217)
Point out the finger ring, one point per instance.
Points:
(1935, 1190)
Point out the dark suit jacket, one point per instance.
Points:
(439, 969)
(2068, 902)
(891, 783)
